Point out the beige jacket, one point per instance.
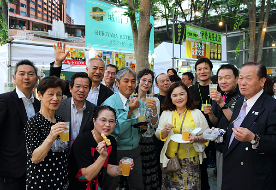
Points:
(166, 118)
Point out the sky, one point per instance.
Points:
(76, 10)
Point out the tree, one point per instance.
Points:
(256, 46)
(3, 22)
(4, 11)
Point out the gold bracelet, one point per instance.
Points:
(117, 171)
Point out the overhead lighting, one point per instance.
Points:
(264, 29)
(273, 44)
(196, 13)
(220, 23)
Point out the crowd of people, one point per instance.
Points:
(106, 101)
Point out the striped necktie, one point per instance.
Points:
(239, 120)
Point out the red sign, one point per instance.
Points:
(73, 62)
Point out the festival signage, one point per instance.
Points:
(179, 33)
(107, 28)
(76, 56)
(202, 43)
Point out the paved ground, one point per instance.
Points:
(212, 179)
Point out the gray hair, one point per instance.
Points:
(124, 71)
(92, 59)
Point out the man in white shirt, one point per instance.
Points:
(109, 77)
(188, 78)
(95, 70)
(77, 110)
(16, 107)
(249, 157)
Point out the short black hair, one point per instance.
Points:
(174, 78)
(25, 62)
(98, 109)
(50, 82)
(79, 75)
(158, 76)
(206, 60)
(173, 70)
(114, 66)
(190, 75)
(229, 66)
(261, 69)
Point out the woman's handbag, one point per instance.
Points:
(173, 164)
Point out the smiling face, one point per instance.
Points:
(51, 98)
(145, 82)
(179, 97)
(127, 84)
(163, 83)
(25, 78)
(249, 82)
(227, 80)
(105, 122)
(80, 89)
(95, 70)
(203, 71)
(109, 75)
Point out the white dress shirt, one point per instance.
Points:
(76, 119)
(93, 95)
(114, 87)
(28, 103)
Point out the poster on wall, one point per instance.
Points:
(107, 28)
(202, 43)
(76, 56)
(106, 57)
(130, 61)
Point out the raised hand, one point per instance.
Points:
(60, 53)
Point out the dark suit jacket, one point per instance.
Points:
(247, 168)
(64, 111)
(104, 93)
(13, 117)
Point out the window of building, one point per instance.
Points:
(32, 9)
(45, 15)
(38, 11)
(32, 16)
(39, 5)
(39, 18)
(49, 16)
(23, 13)
(23, 5)
(11, 10)
(45, 20)
(49, 21)
(44, 9)
(32, 2)
(39, 0)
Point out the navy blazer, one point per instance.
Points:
(247, 168)
(13, 117)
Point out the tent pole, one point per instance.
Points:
(9, 62)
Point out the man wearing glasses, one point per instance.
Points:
(109, 77)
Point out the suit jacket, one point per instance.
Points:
(13, 117)
(243, 166)
(104, 93)
(64, 111)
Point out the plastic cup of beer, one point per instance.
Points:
(148, 98)
(65, 135)
(126, 166)
(142, 112)
(185, 134)
(212, 87)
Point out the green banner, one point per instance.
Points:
(202, 35)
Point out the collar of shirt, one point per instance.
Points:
(97, 89)
(73, 105)
(21, 95)
(251, 101)
(114, 87)
(124, 99)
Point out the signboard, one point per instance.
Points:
(179, 33)
(107, 28)
(202, 43)
(76, 56)
(9, 86)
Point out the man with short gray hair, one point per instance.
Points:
(126, 135)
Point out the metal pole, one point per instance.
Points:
(9, 63)
(226, 43)
(173, 40)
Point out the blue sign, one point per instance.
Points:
(106, 28)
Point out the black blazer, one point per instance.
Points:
(13, 117)
(247, 168)
(104, 93)
(64, 111)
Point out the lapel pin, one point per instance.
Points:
(253, 112)
(256, 113)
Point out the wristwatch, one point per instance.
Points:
(224, 107)
(255, 140)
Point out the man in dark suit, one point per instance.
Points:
(77, 109)
(16, 107)
(249, 154)
(95, 70)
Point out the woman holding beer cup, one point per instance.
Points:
(94, 151)
(179, 107)
(46, 154)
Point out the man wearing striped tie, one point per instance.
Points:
(250, 147)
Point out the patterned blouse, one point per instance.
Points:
(50, 173)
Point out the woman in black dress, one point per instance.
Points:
(46, 154)
(90, 154)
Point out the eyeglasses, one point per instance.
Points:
(109, 73)
(145, 80)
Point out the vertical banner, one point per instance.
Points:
(179, 33)
(202, 43)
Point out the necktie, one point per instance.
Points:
(127, 102)
(240, 119)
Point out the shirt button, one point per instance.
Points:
(242, 163)
(246, 148)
